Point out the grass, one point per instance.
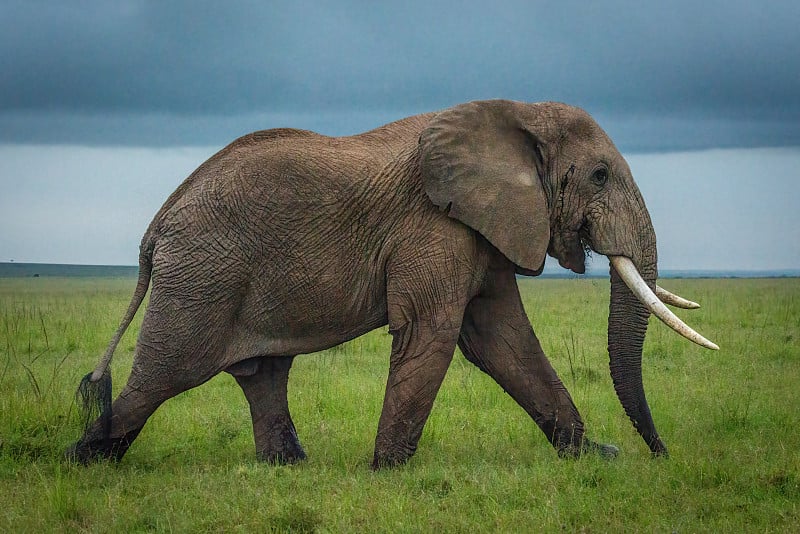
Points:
(730, 419)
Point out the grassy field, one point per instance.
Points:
(730, 419)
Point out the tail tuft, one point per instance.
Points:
(94, 399)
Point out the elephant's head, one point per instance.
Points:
(545, 178)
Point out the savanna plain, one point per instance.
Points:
(730, 419)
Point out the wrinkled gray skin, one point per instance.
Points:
(289, 242)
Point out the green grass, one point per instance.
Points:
(730, 419)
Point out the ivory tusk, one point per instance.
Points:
(675, 300)
(627, 271)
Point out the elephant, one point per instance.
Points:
(289, 242)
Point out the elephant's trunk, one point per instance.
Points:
(627, 326)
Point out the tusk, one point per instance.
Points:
(675, 300)
(627, 271)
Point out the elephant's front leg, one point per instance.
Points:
(497, 337)
(421, 353)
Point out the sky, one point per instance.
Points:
(105, 107)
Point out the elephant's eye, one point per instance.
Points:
(600, 176)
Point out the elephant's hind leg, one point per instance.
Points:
(137, 401)
(264, 385)
(130, 412)
(178, 349)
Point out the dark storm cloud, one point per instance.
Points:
(677, 75)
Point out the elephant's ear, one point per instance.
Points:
(481, 164)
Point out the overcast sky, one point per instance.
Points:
(106, 106)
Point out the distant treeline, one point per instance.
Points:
(29, 270)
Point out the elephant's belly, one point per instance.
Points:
(307, 314)
(248, 344)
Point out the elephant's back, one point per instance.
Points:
(276, 184)
(283, 159)
(268, 190)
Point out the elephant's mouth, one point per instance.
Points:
(576, 245)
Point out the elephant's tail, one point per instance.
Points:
(94, 390)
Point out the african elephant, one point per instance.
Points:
(288, 242)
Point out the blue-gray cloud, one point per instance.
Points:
(675, 75)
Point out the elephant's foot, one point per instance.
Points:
(86, 451)
(604, 450)
(587, 446)
(657, 447)
(279, 443)
(388, 461)
(570, 442)
(391, 456)
(290, 453)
